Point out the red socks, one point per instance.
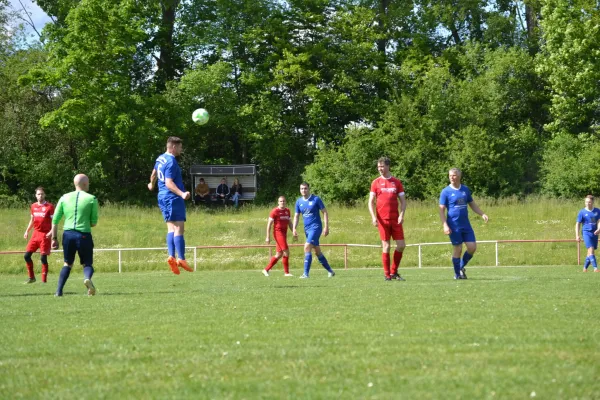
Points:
(271, 263)
(385, 258)
(44, 272)
(397, 259)
(286, 264)
(30, 269)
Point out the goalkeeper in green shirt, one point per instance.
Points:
(80, 210)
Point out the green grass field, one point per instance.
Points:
(228, 332)
(504, 333)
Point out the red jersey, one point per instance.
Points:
(281, 219)
(42, 216)
(386, 191)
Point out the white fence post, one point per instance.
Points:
(497, 261)
(119, 261)
(420, 257)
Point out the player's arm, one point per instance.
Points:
(152, 180)
(325, 222)
(577, 227)
(173, 188)
(94, 215)
(447, 229)
(478, 211)
(295, 224)
(29, 226)
(402, 199)
(269, 224)
(372, 210)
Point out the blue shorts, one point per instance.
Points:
(460, 236)
(313, 236)
(80, 243)
(590, 240)
(172, 208)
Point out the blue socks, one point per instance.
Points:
(307, 262)
(171, 243)
(324, 262)
(466, 258)
(62, 279)
(179, 244)
(88, 271)
(456, 265)
(590, 260)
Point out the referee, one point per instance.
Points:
(80, 210)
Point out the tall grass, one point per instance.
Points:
(132, 227)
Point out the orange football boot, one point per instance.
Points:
(183, 264)
(173, 264)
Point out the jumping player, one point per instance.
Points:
(589, 217)
(387, 190)
(279, 218)
(309, 206)
(41, 222)
(171, 201)
(455, 198)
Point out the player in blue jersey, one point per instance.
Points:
(589, 217)
(311, 206)
(454, 199)
(171, 201)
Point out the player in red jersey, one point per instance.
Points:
(280, 219)
(388, 190)
(41, 222)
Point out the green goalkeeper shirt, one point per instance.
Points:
(80, 210)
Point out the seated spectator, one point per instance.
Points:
(202, 192)
(236, 192)
(223, 191)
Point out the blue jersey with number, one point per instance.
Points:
(589, 219)
(167, 167)
(456, 202)
(310, 210)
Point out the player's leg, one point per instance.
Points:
(178, 218)
(166, 209)
(592, 250)
(307, 258)
(457, 246)
(86, 257)
(31, 248)
(286, 262)
(273, 261)
(321, 257)
(45, 250)
(471, 244)
(69, 243)
(589, 245)
(385, 234)
(398, 236)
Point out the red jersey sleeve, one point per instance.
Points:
(273, 213)
(374, 186)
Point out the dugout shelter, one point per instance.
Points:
(212, 174)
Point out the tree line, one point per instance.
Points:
(508, 91)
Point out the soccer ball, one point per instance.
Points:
(200, 116)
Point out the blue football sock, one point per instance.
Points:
(62, 278)
(456, 265)
(88, 271)
(324, 262)
(586, 264)
(307, 262)
(180, 246)
(171, 243)
(466, 258)
(593, 260)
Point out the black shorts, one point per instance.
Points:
(80, 243)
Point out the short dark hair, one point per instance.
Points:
(304, 183)
(40, 188)
(589, 196)
(384, 160)
(174, 140)
(201, 179)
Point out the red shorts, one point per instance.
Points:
(281, 241)
(39, 241)
(390, 228)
